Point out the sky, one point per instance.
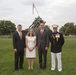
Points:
(52, 11)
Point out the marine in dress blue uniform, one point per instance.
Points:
(57, 41)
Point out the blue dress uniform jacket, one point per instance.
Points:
(57, 41)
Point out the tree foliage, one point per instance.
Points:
(68, 28)
(6, 27)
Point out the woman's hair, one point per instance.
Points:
(28, 33)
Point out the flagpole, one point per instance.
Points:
(34, 7)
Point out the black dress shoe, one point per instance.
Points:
(21, 68)
(44, 67)
(16, 69)
(40, 67)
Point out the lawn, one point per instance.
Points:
(68, 60)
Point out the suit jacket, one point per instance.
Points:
(17, 42)
(42, 40)
(56, 46)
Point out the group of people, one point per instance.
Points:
(29, 43)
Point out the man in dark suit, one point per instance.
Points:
(19, 47)
(57, 41)
(42, 44)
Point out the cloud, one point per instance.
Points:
(1, 1)
(37, 2)
(61, 11)
(52, 11)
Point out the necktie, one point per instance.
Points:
(41, 33)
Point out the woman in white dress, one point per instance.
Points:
(30, 48)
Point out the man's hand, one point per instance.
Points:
(46, 48)
(15, 50)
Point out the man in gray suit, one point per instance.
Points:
(42, 44)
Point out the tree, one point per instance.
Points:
(48, 27)
(68, 28)
(75, 28)
(6, 27)
(62, 29)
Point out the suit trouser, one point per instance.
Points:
(43, 61)
(53, 58)
(19, 58)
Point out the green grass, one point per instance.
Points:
(68, 60)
